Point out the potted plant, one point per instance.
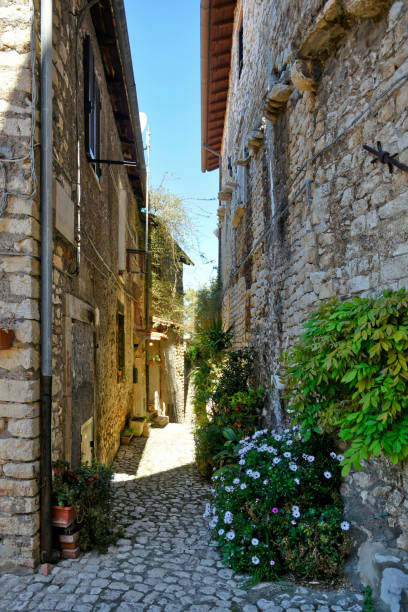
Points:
(63, 513)
(126, 436)
(6, 333)
(136, 425)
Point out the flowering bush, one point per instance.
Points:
(278, 508)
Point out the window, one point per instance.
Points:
(92, 99)
(120, 345)
(240, 49)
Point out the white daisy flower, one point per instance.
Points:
(327, 475)
(345, 525)
(255, 560)
(254, 541)
(228, 516)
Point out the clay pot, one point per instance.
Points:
(70, 553)
(137, 427)
(125, 440)
(69, 541)
(62, 516)
(6, 338)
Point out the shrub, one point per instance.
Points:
(209, 441)
(231, 402)
(278, 507)
(91, 492)
(349, 373)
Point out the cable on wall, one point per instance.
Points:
(4, 161)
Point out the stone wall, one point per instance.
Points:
(310, 216)
(19, 290)
(94, 276)
(91, 288)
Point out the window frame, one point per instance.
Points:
(92, 108)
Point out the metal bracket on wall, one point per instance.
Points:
(385, 158)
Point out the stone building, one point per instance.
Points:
(291, 91)
(98, 329)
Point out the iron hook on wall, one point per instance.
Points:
(385, 158)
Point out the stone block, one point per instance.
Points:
(19, 390)
(18, 488)
(27, 332)
(395, 207)
(21, 470)
(358, 284)
(27, 245)
(19, 449)
(19, 411)
(305, 75)
(393, 582)
(13, 264)
(24, 428)
(25, 285)
(395, 268)
(26, 226)
(19, 505)
(20, 524)
(365, 8)
(15, 358)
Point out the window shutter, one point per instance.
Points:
(92, 107)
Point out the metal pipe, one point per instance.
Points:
(46, 276)
(148, 258)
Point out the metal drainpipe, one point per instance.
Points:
(148, 266)
(46, 276)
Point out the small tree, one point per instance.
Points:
(170, 230)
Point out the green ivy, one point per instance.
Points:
(348, 373)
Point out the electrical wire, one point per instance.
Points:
(107, 266)
(275, 218)
(30, 155)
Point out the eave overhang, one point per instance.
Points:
(109, 19)
(217, 25)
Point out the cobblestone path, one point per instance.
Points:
(166, 561)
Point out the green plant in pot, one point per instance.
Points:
(126, 436)
(136, 425)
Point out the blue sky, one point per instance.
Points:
(165, 42)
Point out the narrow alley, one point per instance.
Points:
(166, 561)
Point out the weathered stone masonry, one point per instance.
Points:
(19, 288)
(97, 302)
(304, 214)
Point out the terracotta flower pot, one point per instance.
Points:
(125, 440)
(137, 427)
(69, 541)
(70, 553)
(62, 516)
(6, 338)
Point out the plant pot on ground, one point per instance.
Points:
(69, 541)
(136, 425)
(126, 436)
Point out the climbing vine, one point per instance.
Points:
(348, 374)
